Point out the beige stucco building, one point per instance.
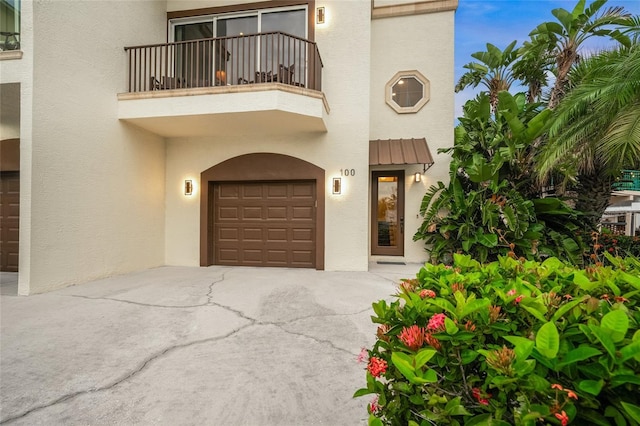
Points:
(292, 133)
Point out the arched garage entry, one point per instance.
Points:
(262, 209)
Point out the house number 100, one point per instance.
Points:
(347, 172)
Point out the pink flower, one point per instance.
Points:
(568, 296)
(373, 406)
(564, 419)
(363, 356)
(377, 366)
(432, 341)
(556, 386)
(511, 292)
(412, 337)
(436, 322)
(571, 394)
(427, 293)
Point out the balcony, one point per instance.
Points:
(629, 181)
(268, 83)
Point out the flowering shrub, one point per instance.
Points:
(510, 342)
(616, 245)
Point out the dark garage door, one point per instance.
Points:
(265, 224)
(9, 219)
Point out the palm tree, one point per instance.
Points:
(595, 130)
(492, 71)
(564, 38)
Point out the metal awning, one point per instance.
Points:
(400, 151)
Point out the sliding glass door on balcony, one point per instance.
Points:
(250, 47)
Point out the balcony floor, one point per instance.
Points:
(267, 108)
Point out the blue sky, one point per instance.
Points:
(499, 22)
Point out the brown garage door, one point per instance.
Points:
(265, 224)
(9, 219)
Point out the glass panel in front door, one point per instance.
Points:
(389, 214)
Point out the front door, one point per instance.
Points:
(387, 213)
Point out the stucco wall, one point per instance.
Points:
(425, 43)
(97, 198)
(346, 84)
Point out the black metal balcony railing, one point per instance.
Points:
(225, 61)
(629, 181)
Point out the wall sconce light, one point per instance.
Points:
(418, 176)
(320, 15)
(188, 187)
(337, 186)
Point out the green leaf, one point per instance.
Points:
(450, 327)
(374, 421)
(591, 386)
(487, 240)
(616, 324)
(579, 354)
(522, 346)
(581, 280)
(630, 351)
(423, 356)
(468, 356)
(604, 339)
(631, 279)
(361, 392)
(473, 306)
(548, 340)
(454, 408)
(632, 410)
(566, 308)
(404, 363)
(533, 309)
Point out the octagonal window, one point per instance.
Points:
(407, 91)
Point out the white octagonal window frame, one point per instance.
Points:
(401, 76)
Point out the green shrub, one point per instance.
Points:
(510, 342)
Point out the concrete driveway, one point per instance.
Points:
(193, 346)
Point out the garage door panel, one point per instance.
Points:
(252, 191)
(277, 213)
(302, 257)
(304, 191)
(252, 212)
(277, 234)
(275, 227)
(303, 213)
(227, 213)
(302, 234)
(277, 190)
(253, 234)
(229, 191)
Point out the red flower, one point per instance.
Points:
(377, 366)
(478, 394)
(436, 322)
(427, 293)
(518, 299)
(556, 386)
(412, 337)
(564, 419)
(571, 394)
